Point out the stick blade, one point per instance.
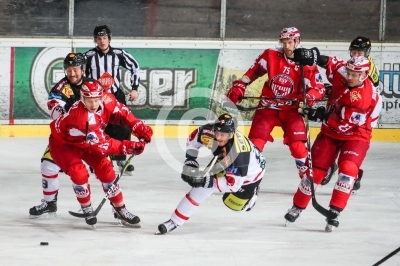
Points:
(79, 215)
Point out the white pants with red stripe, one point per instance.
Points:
(190, 203)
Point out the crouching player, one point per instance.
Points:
(237, 173)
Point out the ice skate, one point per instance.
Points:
(292, 214)
(90, 220)
(46, 207)
(333, 222)
(166, 227)
(115, 214)
(331, 172)
(126, 218)
(128, 171)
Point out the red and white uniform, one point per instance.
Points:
(245, 168)
(345, 135)
(284, 81)
(351, 108)
(61, 97)
(79, 135)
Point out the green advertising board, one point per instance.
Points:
(169, 80)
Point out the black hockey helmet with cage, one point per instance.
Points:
(225, 123)
(75, 59)
(102, 31)
(361, 44)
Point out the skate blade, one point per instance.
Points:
(287, 222)
(130, 225)
(158, 233)
(328, 228)
(93, 226)
(44, 216)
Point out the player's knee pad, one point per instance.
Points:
(348, 168)
(78, 174)
(49, 169)
(239, 200)
(104, 171)
(82, 192)
(298, 149)
(114, 191)
(259, 143)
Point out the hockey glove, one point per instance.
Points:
(236, 92)
(316, 115)
(190, 167)
(142, 131)
(202, 180)
(129, 147)
(306, 57)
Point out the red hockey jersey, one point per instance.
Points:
(350, 108)
(284, 79)
(85, 130)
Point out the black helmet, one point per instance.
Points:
(362, 44)
(75, 59)
(225, 123)
(102, 31)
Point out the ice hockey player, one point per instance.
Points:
(78, 136)
(237, 172)
(361, 46)
(345, 132)
(61, 97)
(284, 84)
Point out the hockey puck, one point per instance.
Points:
(44, 243)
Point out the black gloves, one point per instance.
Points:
(194, 177)
(316, 115)
(306, 57)
(190, 167)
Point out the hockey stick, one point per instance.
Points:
(110, 190)
(387, 257)
(211, 165)
(266, 98)
(231, 106)
(316, 205)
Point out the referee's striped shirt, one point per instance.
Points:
(97, 63)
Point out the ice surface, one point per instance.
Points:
(369, 227)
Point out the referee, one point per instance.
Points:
(102, 64)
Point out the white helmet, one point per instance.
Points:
(290, 33)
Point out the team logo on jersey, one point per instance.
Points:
(355, 96)
(92, 138)
(318, 79)
(67, 91)
(106, 80)
(281, 85)
(357, 118)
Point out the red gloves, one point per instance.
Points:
(142, 131)
(237, 91)
(129, 147)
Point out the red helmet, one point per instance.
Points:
(92, 89)
(290, 33)
(359, 64)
